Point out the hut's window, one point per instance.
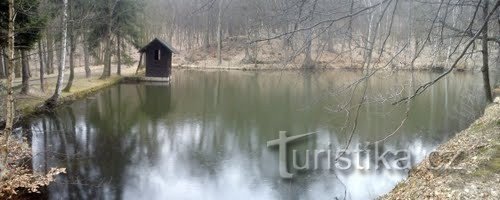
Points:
(157, 54)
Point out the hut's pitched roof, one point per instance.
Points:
(165, 44)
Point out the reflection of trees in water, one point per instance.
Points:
(156, 101)
(98, 148)
(218, 118)
(235, 119)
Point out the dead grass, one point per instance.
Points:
(270, 55)
(475, 175)
(17, 178)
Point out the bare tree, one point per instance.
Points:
(119, 55)
(106, 72)
(42, 66)
(486, 67)
(2, 64)
(71, 28)
(25, 72)
(60, 69)
(86, 55)
(9, 107)
(219, 32)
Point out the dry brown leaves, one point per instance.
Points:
(18, 176)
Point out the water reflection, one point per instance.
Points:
(204, 136)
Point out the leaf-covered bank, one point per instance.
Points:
(473, 174)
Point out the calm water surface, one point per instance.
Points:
(204, 136)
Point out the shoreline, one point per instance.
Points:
(32, 106)
(471, 175)
(249, 67)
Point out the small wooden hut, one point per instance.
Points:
(158, 59)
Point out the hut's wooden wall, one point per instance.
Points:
(158, 68)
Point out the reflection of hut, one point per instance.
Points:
(156, 100)
(158, 60)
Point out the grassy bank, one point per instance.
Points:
(31, 104)
(473, 157)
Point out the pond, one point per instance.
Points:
(205, 135)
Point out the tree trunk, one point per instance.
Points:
(497, 74)
(18, 64)
(72, 48)
(119, 55)
(410, 33)
(139, 65)
(349, 31)
(308, 62)
(86, 58)
(249, 58)
(52, 102)
(25, 73)
(5, 62)
(2, 64)
(106, 72)
(172, 28)
(50, 54)
(329, 41)
(284, 29)
(368, 43)
(486, 69)
(219, 33)
(9, 107)
(206, 41)
(42, 67)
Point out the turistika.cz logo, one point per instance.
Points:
(356, 158)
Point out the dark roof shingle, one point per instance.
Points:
(165, 44)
